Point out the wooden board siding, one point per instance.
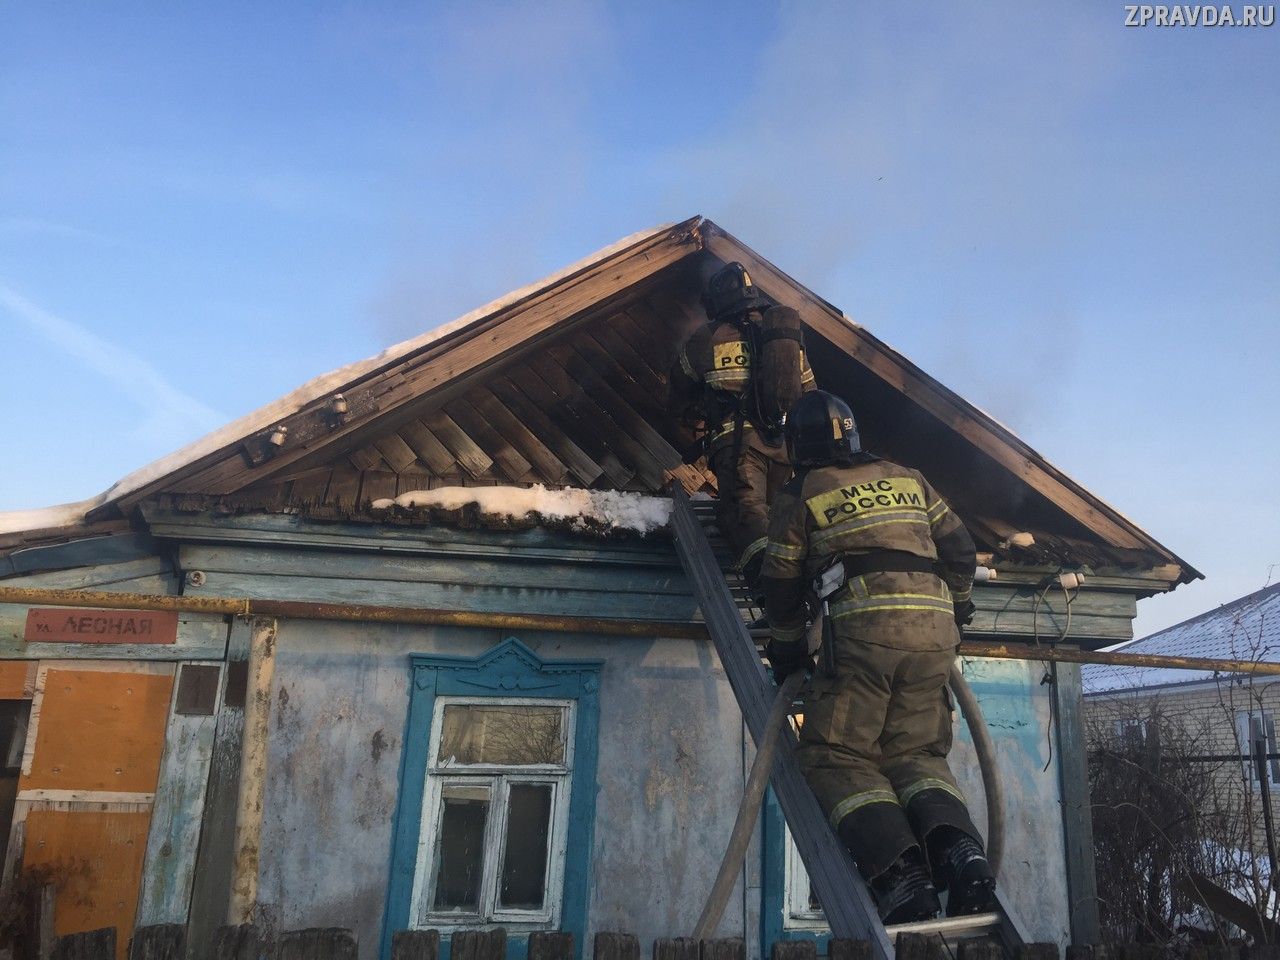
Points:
(95, 857)
(179, 807)
(97, 731)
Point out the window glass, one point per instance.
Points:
(524, 859)
(504, 735)
(460, 849)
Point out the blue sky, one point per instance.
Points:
(1074, 224)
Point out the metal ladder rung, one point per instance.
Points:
(973, 925)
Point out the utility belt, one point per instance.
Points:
(849, 565)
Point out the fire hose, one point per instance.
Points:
(758, 779)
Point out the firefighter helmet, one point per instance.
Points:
(820, 429)
(730, 292)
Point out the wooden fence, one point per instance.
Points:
(167, 942)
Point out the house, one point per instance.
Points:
(1210, 720)
(349, 712)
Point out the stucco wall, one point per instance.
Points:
(670, 775)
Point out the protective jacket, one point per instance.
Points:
(711, 384)
(877, 715)
(711, 379)
(871, 508)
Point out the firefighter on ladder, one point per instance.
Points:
(877, 712)
(737, 376)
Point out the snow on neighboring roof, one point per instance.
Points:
(69, 514)
(1244, 629)
(605, 508)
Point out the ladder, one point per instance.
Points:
(846, 901)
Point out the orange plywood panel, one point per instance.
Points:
(99, 730)
(17, 679)
(95, 859)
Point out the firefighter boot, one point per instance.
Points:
(904, 892)
(962, 868)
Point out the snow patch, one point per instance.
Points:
(585, 509)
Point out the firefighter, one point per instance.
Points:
(735, 378)
(877, 712)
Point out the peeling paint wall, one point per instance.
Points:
(670, 776)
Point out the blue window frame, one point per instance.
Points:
(783, 915)
(508, 672)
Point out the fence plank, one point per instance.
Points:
(237, 942)
(727, 948)
(673, 948)
(794, 950)
(841, 949)
(477, 945)
(919, 946)
(92, 945)
(317, 943)
(550, 945)
(976, 949)
(415, 945)
(161, 941)
(619, 946)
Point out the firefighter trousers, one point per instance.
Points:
(874, 745)
(747, 486)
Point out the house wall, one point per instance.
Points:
(670, 775)
(1198, 719)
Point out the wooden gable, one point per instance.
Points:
(565, 382)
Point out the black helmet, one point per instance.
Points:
(820, 429)
(730, 292)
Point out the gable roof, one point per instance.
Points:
(458, 405)
(1244, 629)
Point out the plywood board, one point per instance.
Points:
(17, 679)
(98, 730)
(96, 861)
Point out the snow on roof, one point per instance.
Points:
(1245, 629)
(604, 508)
(69, 514)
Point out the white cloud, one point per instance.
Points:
(169, 415)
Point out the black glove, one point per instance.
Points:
(786, 658)
(964, 613)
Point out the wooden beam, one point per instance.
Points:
(506, 456)
(406, 379)
(1077, 811)
(365, 458)
(398, 454)
(253, 772)
(971, 423)
(428, 447)
(548, 466)
(465, 450)
(647, 467)
(561, 409)
(573, 456)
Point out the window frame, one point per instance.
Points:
(499, 778)
(1244, 739)
(506, 671)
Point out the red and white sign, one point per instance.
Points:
(67, 625)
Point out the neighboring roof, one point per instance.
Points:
(564, 327)
(1245, 629)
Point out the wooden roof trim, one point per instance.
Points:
(417, 373)
(980, 429)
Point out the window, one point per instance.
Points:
(803, 911)
(1253, 726)
(497, 796)
(495, 806)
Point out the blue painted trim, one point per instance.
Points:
(87, 552)
(508, 670)
(773, 896)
